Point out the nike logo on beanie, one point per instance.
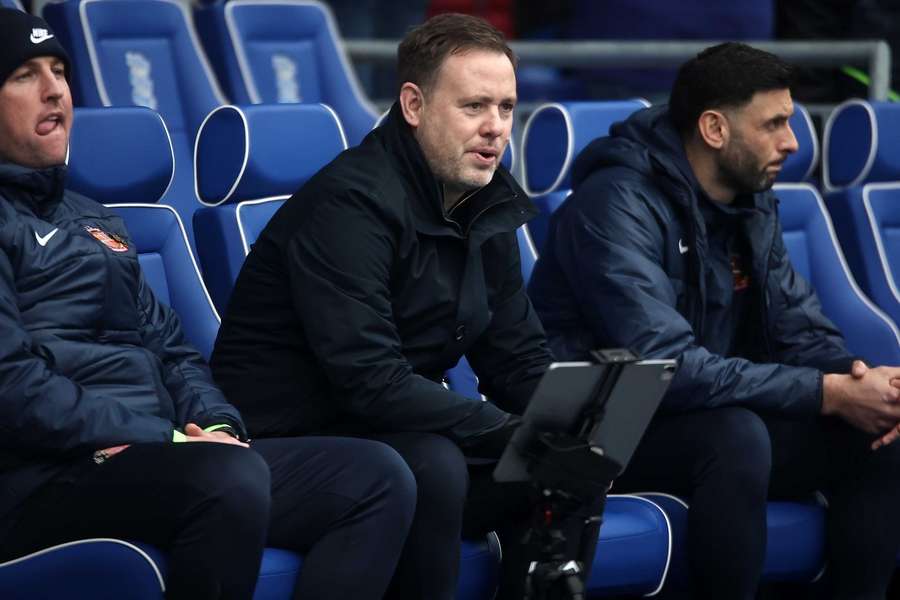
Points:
(39, 35)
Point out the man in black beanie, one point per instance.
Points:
(100, 395)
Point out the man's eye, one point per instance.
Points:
(507, 107)
(475, 105)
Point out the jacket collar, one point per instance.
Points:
(39, 190)
(501, 205)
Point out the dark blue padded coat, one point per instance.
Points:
(626, 265)
(88, 357)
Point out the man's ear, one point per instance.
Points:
(714, 129)
(412, 101)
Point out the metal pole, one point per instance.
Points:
(871, 54)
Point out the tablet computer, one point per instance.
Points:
(620, 400)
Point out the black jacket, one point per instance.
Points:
(360, 294)
(626, 264)
(88, 357)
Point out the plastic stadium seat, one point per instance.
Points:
(813, 248)
(862, 175)
(800, 165)
(243, 189)
(137, 169)
(142, 53)
(634, 549)
(92, 569)
(249, 160)
(284, 51)
(11, 4)
(554, 135)
(795, 544)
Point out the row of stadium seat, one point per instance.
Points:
(248, 159)
(635, 543)
(148, 53)
(642, 541)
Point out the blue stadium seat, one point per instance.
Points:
(90, 569)
(136, 168)
(284, 51)
(795, 544)
(812, 244)
(12, 4)
(554, 135)
(241, 189)
(142, 53)
(801, 165)
(862, 176)
(112, 174)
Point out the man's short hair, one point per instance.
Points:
(423, 50)
(724, 76)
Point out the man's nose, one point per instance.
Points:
(53, 85)
(789, 144)
(492, 125)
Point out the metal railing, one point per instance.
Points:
(872, 55)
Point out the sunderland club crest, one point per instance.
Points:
(112, 241)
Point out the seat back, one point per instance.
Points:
(284, 51)
(128, 174)
(554, 135)
(241, 189)
(801, 165)
(142, 53)
(861, 171)
(812, 246)
(12, 4)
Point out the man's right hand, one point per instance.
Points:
(868, 399)
(195, 433)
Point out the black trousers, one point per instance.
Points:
(456, 498)
(346, 503)
(729, 461)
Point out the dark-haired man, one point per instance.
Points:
(103, 403)
(670, 245)
(389, 265)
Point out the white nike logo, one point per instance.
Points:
(39, 35)
(42, 240)
(682, 247)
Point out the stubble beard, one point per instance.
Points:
(740, 172)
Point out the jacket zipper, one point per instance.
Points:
(764, 304)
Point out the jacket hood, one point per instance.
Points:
(39, 189)
(646, 142)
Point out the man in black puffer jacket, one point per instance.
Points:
(100, 394)
(671, 245)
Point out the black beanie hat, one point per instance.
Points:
(23, 37)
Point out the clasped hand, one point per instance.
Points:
(868, 399)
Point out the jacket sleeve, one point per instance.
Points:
(340, 264)
(512, 354)
(800, 333)
(45, 413)
(185, 374)
(610, 246)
